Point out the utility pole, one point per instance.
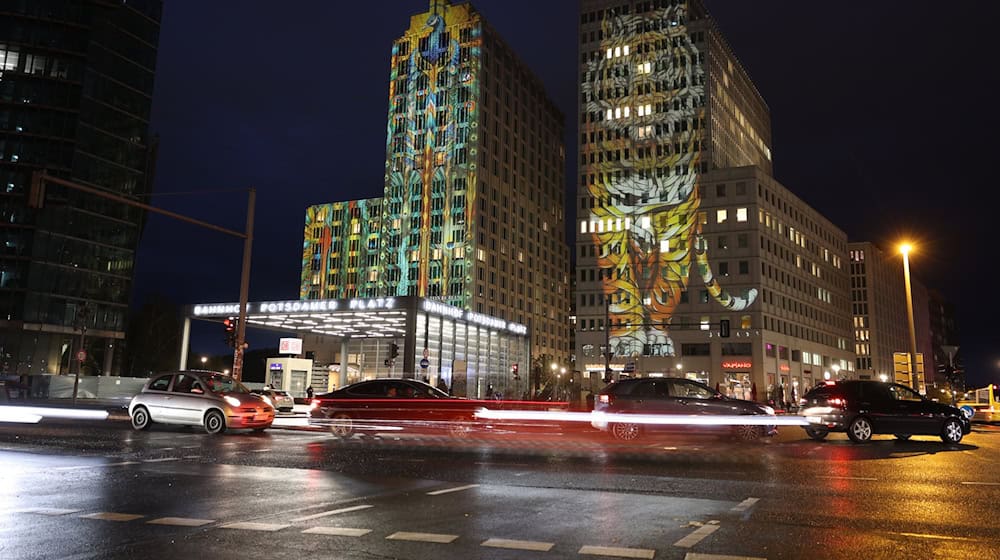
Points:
(36, 199)
(80, 322)
(607, 338)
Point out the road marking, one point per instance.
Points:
(160, 460)
(696, 537)
(268, 450)
(422, 537)
(50, 511)
(108, 516)
(326, 513)
(849, 477)
(255, 526)
(938, 537)
(698, 556)
(166, 449)
(982, 483)
(338, 531)
(519, 545)
(180, 521)
(455, 489)
(192, 456)
(619, 552)
(191, 447)
(96, 466)
(745, 505)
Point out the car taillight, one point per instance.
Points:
(604, 399)
(314, 403)
(836, 402)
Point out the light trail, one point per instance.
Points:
(34, 414)
(666, 419)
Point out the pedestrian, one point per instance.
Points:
(309, 392)
(489, 391)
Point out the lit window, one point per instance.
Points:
(459, 252)
(436, 254)
(626, 50)
(610, 115)
(705, 323)
(626, 111)
(645, 222)
(609, 52)
(741, 214)
(618, 112)
(618, 51)
(583, 226)
(721, 216)
(481, 255)
(664, 245)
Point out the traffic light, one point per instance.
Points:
(513, 370)
(230, 326)
(393, 351)
(724, 328)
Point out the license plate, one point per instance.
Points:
(814, 419)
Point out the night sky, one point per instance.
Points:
(883, 119)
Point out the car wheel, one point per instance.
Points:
(952, 431)
(860, 430)
(903, 437)
(626, 432)
(140, 418)
(818, 434)
(459, 427)
(341, 425)
(747, 433)
(215, 422)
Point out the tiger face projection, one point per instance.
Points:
(644, 98)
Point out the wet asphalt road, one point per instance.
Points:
(85, 490)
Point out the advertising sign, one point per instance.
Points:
(290, 346)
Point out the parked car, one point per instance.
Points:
(281, 400)
(673, 396)
(865, 408)
(209, 399)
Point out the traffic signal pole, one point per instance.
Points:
(36, 199)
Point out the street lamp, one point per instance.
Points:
(204, 360)
(836, 370)
(905, 249)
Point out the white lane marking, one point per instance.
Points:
(644, 553)
(982, 483)
(849, 477)
(49, 511)
(519, 545)
(96, 466)
(191, 447)
(166, 449)
(938, 537)
(455, 489)
(160, 460)
(745, 505)
(268, 450)
(338, 531)
(180, 521)
(192, 456)
(255, 526)
(696, 537)
(698, 556)
(109, 516)
(326, 513)
(422, 537)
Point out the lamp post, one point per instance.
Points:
(905, 249)
(204, 360)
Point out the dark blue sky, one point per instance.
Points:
(882, 117)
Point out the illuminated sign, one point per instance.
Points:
(737, 364)
(784, 367)
(274, 366)
(289, 345)
(374, 303)
(295, 306)
(441, 309)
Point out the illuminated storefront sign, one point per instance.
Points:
(442, 309)
(737, 364)
(295, 306)
(784, 367)
(374, 303)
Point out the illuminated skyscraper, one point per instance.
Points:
(681, 229)
(473, 207)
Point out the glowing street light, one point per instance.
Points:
(836, 370)
(204, 360)
(905, 249)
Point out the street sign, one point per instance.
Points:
(81, 355)
(629, 367)
(424, 363)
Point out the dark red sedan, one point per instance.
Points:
(404, 405)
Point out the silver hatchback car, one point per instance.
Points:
(200, 398)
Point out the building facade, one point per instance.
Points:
(75, 98)
(681, 229)
(340, 250)
(878, 309)
(472, 213)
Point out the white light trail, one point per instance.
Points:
(25, 413)
(669, 419)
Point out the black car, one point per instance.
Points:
(672, 396)
(865, 408)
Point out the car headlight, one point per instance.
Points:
(233, 401)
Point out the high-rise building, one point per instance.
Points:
(472, 213)
(76, 85)
(683, 236)
(341, 250)
(878, 307)
(944, 335)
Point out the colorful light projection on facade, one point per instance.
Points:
(340, 250)
(645, 105)
(430, 181)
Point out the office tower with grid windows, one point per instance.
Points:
(76, 86)
(472, 213)
(682, 231)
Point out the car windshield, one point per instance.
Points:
(224, 384)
